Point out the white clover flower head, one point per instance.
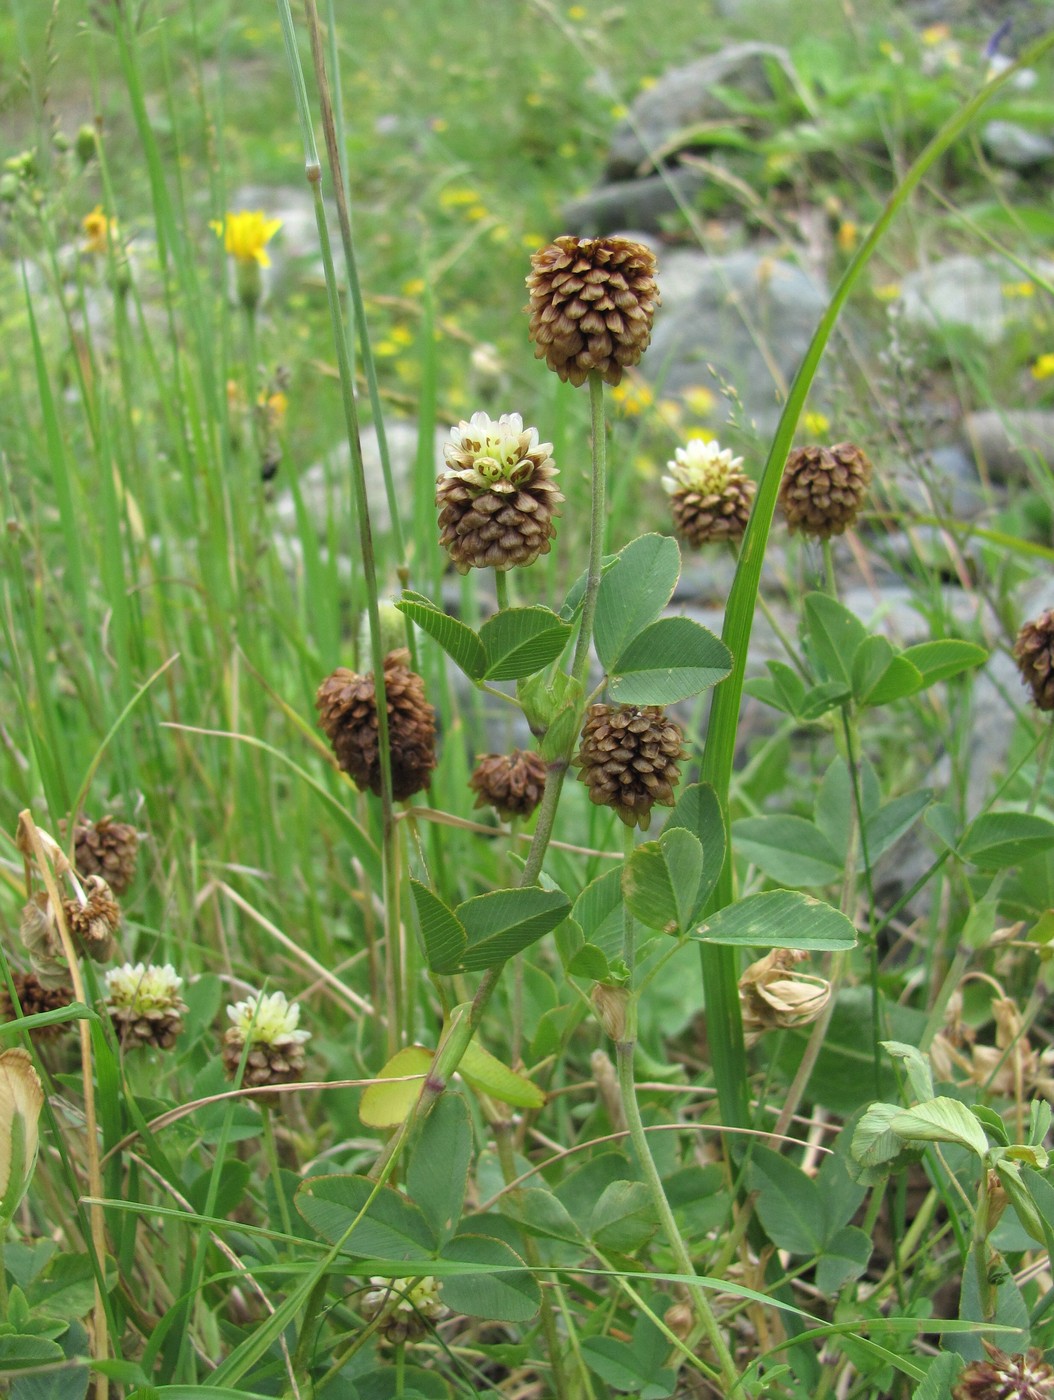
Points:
(267, 1020)
(485, 453)
(701, 466)
(422, 1299)
(144, 989)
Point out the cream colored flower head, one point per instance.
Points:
(246, 235)
(270, 1020)
(143, 989)
(484, 453)
(422, 1298)
(702, 466)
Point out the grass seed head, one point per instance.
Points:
(592, 305)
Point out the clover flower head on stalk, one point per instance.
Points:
(592, 303)
(823, 488)
(511, 783)
(347, 706)
(107, 847)
(628, 759)
(270, 1026)
(1024, 1376)
(1034, 654)
(496, 497)
(710, 495)
(145, 1005)
(407, 1320)
(34, 999)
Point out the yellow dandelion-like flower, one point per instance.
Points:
(848, 236)
(632, 396)
(619, 110)
(1043, 368)
(457, 195)
(1019, 289)
(246, 234)
(935, 34)
(402, 335)
(699, 400)
(577, 12)
(887, 291)
(98, 230)
(816, 424)
(414, 287)
(647, 82)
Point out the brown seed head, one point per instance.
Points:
(496, 497)
(347, 706)
(823, 488)
(107, 848)
(773, 995)
(94, 923)
(511, 783)
(1034, 654)
(628, 759)
(145, 1005)
(709, 494)
(34, 999)
(1004, 1377)
(592, 304)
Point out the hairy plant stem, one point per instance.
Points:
(625, 1045)
(313, 173)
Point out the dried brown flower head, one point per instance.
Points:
(496, 497)
(823, 488)
(511, 783)
(773, 995)
(347, 706)
(1005, 1377)
(592, 304)
(1034, 654)
(34, 999)
(709, 494)
(94, 922)
(628, 759)
(39, 932)
(107, 848)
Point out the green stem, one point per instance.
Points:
(501, 586)
(829, 571)
(313, 172)
(271, 1155)
(580, 666)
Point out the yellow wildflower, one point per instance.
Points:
(935, 34)
(414, 287)
(699, 400)
(246, 235)
(98, 230)
(577, 12)
(887, 291)
(1019, 289)
(275, 407)
(847, 235)
(632, 396)
(457, 195)
(1043, 368)
(816, 424)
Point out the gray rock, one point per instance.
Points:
(947, 482)
(1016, 146)
(746, 314)
(324, 487)
(688, 97)
(641, 203)
(964, 292)
(1009, 443)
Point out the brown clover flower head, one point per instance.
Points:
(94, 922)
(709, 493)
(592, 305)
(1034, 654)
(269, 1025)
(347, 706)
(823, 488)
(496, 497)
(773, 995)
(511, 783)
(107, 848)
(1004, 1377)
(34, 999)
(628, 759)
(145, 1005)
